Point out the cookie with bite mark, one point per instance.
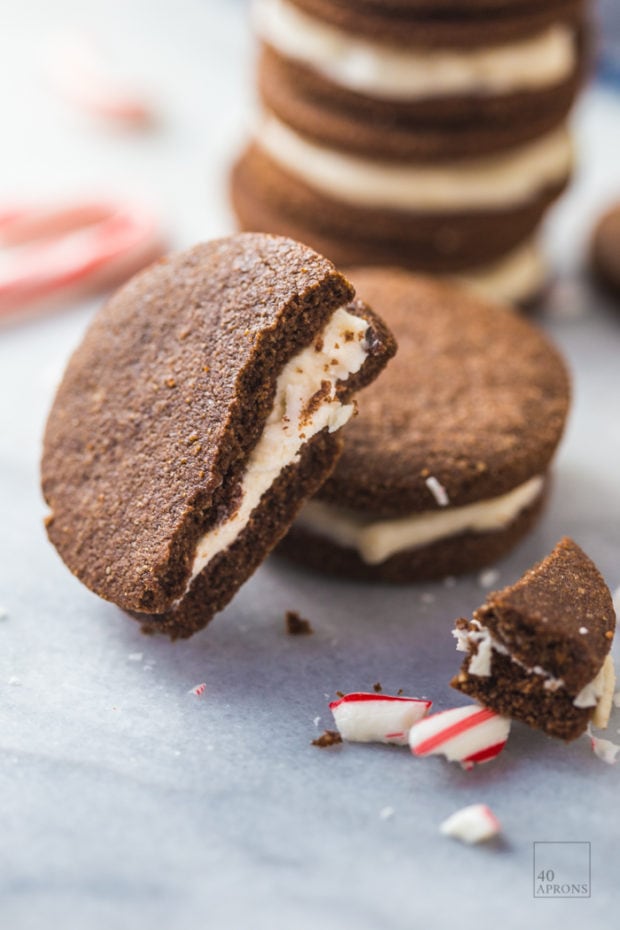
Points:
(199, 412)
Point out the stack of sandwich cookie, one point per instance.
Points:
(197, 415)
(539, 651)
(415, 134)
(446, 466)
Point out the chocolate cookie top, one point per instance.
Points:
(165, 398)
(425, 25)
(476, 397)
(558, 616)
(605, 249)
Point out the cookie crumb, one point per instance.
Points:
(327, 738)
(339, 694)
(296, 625)
(377, 687)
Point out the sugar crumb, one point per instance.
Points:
(437, 490)
(488, 578)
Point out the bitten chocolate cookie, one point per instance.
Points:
(198, 413)
(605, 250)
(451, 476)
(539, 651)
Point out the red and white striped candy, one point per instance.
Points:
(81, 74)
(364, 717)
(472, 824)
(463, 734)
(58, 254)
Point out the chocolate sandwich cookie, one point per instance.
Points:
(466, 26)
(426, 127)
(451, 476)
(195, 417)
(465, 217)
(605, 250)
(539, 651)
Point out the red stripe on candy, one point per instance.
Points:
(483, 755)
(461, 726)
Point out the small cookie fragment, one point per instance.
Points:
(364, 717)
(472, 824)
(296, 625)
(468, 735)
(528, 656)
(327, 738)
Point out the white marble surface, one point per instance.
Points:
(127, 802)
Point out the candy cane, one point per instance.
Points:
(79, 73)
(58, 254)
(463, 734)
(368, 717)
(472, 824)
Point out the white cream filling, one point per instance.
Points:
(377, 540)
(389, 72)
(340, 351)
(518, 276)
(597, 693)
(495, 181)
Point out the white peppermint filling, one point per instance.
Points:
(377, 540)
(389, 72)
(340, 351)
(597, 693)
(494, 181)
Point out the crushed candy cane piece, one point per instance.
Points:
(468, 735)
(604, 749)
(473, 824)
(488, 578)
(365, 717)
(438, 491)
(199, 689)
(60, 253)
(79, 72)
(386, 813)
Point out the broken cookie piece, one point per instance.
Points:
(539, 651)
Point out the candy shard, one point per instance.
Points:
(468, 735)
(366, 717)
(473, 824)
(605, 749)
